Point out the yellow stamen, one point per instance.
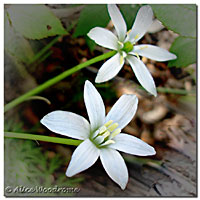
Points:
(120, 43)
(106, 134)
(121, 60)
(108, 142)
(116, 132)
(136, 37)
(137, 56)
(102, 129)
(113, 127)
(144, 47)
(128, 31)
(108, 123)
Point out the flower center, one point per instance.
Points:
(104, 135)
(124, 49)
(128, 46)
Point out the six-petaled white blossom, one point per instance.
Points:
(125, 46)
(102, 136)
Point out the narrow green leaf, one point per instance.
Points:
(35, 21)
(180, 18)
(44, 138)
(185, 50)
(90, 17)
(15, 44)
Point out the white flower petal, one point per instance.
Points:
(132, 145)
(143, 75)
(95, 106)
(110, 68)
(123, 110)
(67, 123)
(83, 157)
(153, 52)
(103, 37)
(118, 21)
(143, 21)
(115, 166)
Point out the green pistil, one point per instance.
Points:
(127, 47)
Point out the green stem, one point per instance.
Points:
(49, 45)
(173, 91)
(44, 57)
(56, 79)
(44, 50)
(42, 138)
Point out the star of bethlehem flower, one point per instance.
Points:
(102, 136)
(125, 46)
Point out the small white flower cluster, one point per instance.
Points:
(102, 136)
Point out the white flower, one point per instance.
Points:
(125, 45)
(102, 137)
